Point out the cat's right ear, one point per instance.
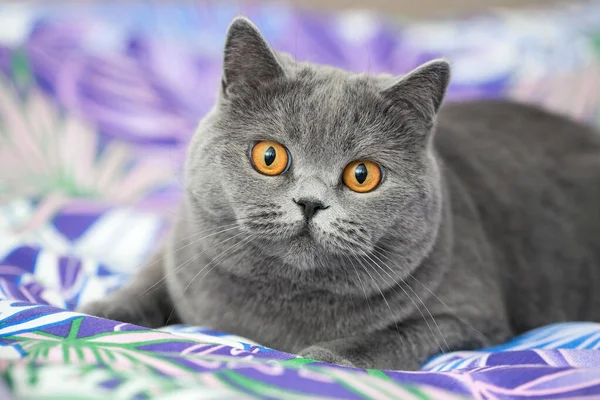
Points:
(248, 59)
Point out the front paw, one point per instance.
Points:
(319, 353)
(102, 309)
(113, 311)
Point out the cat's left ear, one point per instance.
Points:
(423, 88)
(248, 59)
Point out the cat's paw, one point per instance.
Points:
(319, 353)
(102, 309)
(113, 311)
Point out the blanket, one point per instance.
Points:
(97, 103)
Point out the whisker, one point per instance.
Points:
(445, 305)
(450, 309)
(361, 284)
(386, 302)
(170, 316)
(229, 228)
(358, 276)
(241, 242)
(193, 258)
(410, 298)
(205, 231)
(399, 283)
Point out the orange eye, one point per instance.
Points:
(362, 176)
(270, 158)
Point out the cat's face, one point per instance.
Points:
(315, 163)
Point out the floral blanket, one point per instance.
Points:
(97, 102)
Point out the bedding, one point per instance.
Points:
(97, 102)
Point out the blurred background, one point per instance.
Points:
(99, 98)
(425, 8)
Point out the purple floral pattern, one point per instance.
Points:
(97, 103)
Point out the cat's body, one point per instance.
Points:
(533, 179)
(493, 223)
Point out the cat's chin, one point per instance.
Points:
(303, 250)
(304, 241)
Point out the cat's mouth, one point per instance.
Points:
(305, 235)
(305, 231)
(304, 242)
(313, 239)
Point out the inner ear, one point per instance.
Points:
(248, 59)
(423, 88)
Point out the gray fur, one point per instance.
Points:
(492, 223)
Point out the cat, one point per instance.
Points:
(354, 220)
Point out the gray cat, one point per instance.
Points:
(324, 217)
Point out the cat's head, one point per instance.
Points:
(316, 163)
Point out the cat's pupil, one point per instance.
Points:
(270, 156)
(360, 173)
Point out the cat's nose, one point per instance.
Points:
(310, 207)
